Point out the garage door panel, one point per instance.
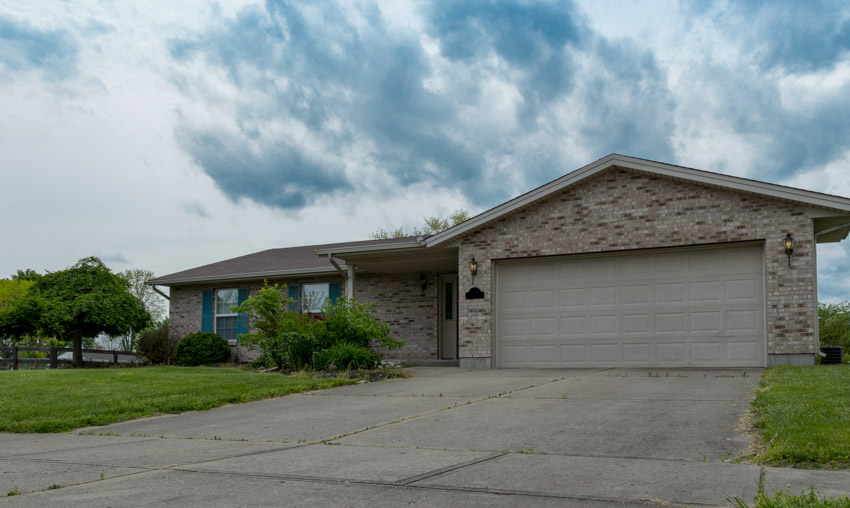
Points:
(515, 327)
(574, 272)
(515, 355)
(637, 353)
(670, 323)
(634, 324)
(705, 291)
(574, 325)
(673, 352)
(604, 324)
(743, 351)
(544, 299)
(706, 321)
(705, 261)
(604, 269)
(670, 293)
(573, 297)
(605, 353)
(603, 295)
(545, 271)
(671, 309)
(574, 354)
(742, 289)
(742, 321)
(707, 352)
(637, 267)
(510, 300)
(543, 326)
(635, 295)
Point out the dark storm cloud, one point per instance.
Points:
(315, 65)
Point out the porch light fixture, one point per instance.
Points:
(789, 246)
(423, 283)
(473, 266)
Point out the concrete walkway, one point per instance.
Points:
(447, 437)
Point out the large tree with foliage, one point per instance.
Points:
(79, 302)
(432, 225)
(154, 303)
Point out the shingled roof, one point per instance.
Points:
(268, 263)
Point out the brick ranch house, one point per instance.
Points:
(624, 262)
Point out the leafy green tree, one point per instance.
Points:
(154, 303)
(77, 303)
(834, 324)
(432, 225)
(11, 291)
(27, 274)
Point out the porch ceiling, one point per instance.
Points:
(412, 260)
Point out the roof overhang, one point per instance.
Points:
(404, 257)
(278, 274)
(836, 203)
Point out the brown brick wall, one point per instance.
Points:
(619, 210)
(411, 314)
(399, 298)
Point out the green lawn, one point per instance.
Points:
(807, 409)
(62, 400)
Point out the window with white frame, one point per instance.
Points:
(314, 297)
(225, 318)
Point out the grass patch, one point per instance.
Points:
(807, 498)
(66, 399)
(804, 415)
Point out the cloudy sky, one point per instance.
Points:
(164, 135)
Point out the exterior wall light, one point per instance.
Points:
(789, 246)
(473, 267)
(423, 283)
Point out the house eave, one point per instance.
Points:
(817, 199)
(244, 276)
(370, 249)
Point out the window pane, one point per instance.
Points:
(314, 297)
(226, 327)
(224, 300)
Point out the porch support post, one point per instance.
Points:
(349, 287)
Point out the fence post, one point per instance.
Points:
(54, 358)
(14, 357)
(115, 357)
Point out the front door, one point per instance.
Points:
(448, 316)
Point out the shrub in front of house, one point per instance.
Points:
(156, 346)
(202, 348)
(292, 340)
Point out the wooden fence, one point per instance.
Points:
(53, 360)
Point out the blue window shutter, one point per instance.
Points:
(334, 291)
(242, 318)
(207, 311)
(294, 293)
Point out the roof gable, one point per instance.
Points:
(810, 198)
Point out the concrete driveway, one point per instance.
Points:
(446, 437)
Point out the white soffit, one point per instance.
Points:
(818, 199)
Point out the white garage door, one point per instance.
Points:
(684, 308)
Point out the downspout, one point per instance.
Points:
(160, 292)
(348, 274)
